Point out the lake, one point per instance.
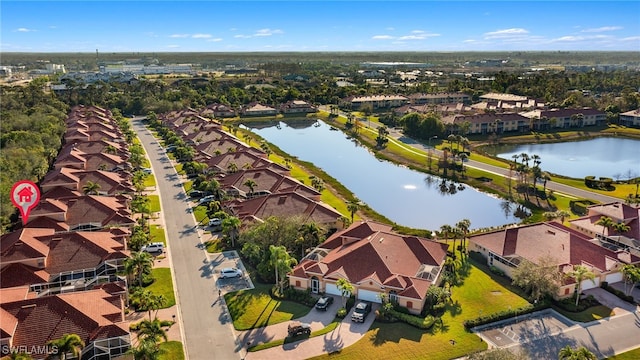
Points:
(611, 157)
(404, 196)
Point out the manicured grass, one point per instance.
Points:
(400, 341)
(163, 285)
(590, 314)
(214, 246)
(150, 181)
(255, 308)
(178, 168)
(154, 203)
(621, 190)
(329, 328)
(188, 185)
(172, 351)
(200, 212)
(629, 355)
(157, 234)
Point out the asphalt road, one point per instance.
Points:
(206, 328)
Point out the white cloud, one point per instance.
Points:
(214, 40)
(573, 38)
(602, 29)
(506, 33)
(267, 32)
(631, 38)
(178, 36)
(242, 36)
(201, 36)
(24, 30)
(469, 41)
(382, 37)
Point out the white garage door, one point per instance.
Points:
(613, 278)
(332, 289)
(368, 295)
(588, 284)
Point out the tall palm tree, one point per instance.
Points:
(353, 206)
(91, 188)
(138, 264)
(146, 350)
(68, 343)
(310, 233)
(567, 353)
(631, 276)
(446, 231)
(562, 214)
(281, 261)
(620, 227)
(606, 223)
(346, 289)
(463, 225)
(579, 274)
(230, 227)
(232, 168)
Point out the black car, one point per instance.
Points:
(324, 302)
(298, 328)
(362, 309)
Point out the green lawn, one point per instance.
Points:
(329, 328)
(150, 181)
(163, 285)
(400, 341)
(154, 203)
(172, 351)
(255, 308)
(590, 314)
(157, 234)
(200, 213)
(629, 355)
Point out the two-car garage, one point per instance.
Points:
(366, 295)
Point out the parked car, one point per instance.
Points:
(216, 224)
(206, 199)
(299, 328)
(196, 194)
(360, 312)
(324, 302)
(153, 247)
(146, 170)
(230, 273)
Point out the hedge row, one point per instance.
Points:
(600, 183)
(580, 206)
(416, 321)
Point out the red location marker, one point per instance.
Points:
(25, 195)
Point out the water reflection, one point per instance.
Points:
(393, 191)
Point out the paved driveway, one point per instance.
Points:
(606, 298)
(346, 334)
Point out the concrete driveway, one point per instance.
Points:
(346, 334)
(606, 298)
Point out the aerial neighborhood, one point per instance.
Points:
(174, 229)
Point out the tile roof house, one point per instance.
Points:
(95, 315)
(567, 118)
(376, 261)
(96, 147)
(84, 212)
(50, 261)
(219, 110)
(489, 123)
(630, 118)
(618, 212)
(507, 248)
(222, 145)
(110, 183)
(287, 204)
(267, 181)
(297, 107)
(257, 109)
(249, 158)
(205, 134)
(439, 98)
(376, 101)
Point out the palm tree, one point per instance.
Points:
(282, 262)
(251, 184)
(146, 350)
(310, 233)
(549, 215)
(606, 223)
(68, 343)
(620, 227)
(579, 274)
(353, 206)
(446, 231)
(232, 168)
(91, 188)
(463, 225)
(138, 264)
(567, 353)
(230, 227)
(631, 276)
(151, 331)
(19, 356)
(562, 214)
(346, 289)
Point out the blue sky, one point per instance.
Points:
(223, 26)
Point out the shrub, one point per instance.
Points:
(496, 271)
(617, 292)
(342, 312)
(300, 296)
(413, 320)
(569, 304)
(505, 314)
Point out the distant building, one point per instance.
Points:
(630, 118)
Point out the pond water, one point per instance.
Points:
(611, 157)
(405, 196)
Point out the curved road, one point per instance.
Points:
(207, 331)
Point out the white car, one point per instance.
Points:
(230, 273)
(206, 199)
(153, 247)
(215, 223)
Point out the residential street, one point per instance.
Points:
(207, 330)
